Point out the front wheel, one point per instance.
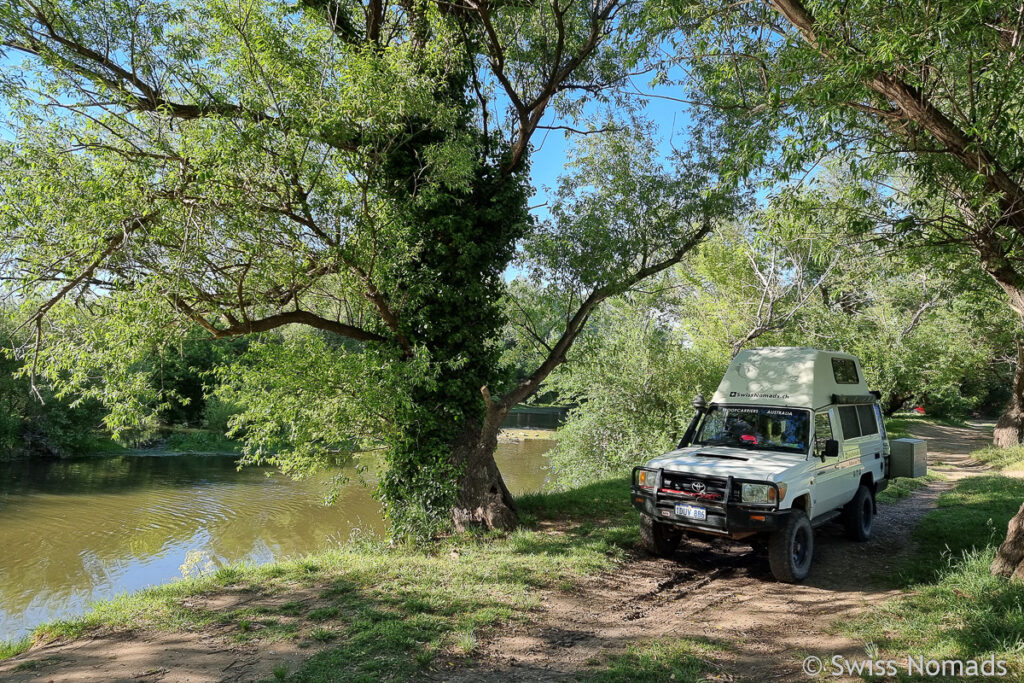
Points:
(658, 538)
(858, 515)
(791, 548)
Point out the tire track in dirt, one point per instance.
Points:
(723, 592)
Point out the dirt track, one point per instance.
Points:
(720, 592)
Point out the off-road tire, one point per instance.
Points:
(859, 514)
(658, 538)
(791, 549)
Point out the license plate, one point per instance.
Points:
(691, 511)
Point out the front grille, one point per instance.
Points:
(692, 487)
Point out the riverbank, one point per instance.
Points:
(368, 610)
(569, 596)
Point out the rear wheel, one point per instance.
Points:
(791, 549)
(659, 538)
(859, 514)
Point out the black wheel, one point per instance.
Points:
(791, 548)
(658, 538)
(858, 515)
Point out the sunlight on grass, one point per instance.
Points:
(901, 488)
(902, 424)
(9, 649)
(658, 661)
(1001, 458)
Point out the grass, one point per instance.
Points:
(955, 608)
(973, 516)
(901, 488)
(392, 611)
(1001, 458)
(10, 649)
(658, 661)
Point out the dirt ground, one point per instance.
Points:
(719, 592)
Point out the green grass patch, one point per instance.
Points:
(901, 488)
(658, 661)
(389, 611)
(956, 609)
(973, 516)
(9, 649)
(966, 613)
(1001, 458)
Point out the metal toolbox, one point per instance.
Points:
(908, 458)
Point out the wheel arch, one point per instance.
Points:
(802, 502)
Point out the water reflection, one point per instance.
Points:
(76, 531)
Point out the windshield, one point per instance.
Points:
(758, 428)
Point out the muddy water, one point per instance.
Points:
(80, 530)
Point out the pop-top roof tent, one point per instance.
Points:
(797, 377)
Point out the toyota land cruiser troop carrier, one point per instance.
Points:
(792, 439)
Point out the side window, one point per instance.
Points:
(848, 418)
(868, 424)
(822, 431)
(881, 422)
(845, 371)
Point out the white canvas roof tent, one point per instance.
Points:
(797, 377)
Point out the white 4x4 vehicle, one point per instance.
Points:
(792, 439)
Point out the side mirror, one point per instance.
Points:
(831, 449)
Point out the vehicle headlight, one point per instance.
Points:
(762, 493)
(756, 493)
(646, 479)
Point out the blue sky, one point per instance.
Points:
(551, 146)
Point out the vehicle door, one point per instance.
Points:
(828, 485)
(861, 444)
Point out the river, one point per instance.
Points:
(84, 529)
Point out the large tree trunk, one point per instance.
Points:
(894, 403)
(484, 501)
(1009, 429)
(1009, 560)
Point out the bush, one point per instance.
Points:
(634, 382)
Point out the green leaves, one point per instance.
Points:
(632, 379)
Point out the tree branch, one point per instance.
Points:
(238, 328)
(578, 321)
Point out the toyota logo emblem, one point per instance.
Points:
(698, 486)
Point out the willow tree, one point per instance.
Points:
(358, 170)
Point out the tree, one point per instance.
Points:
(923, 97)
(349, 177)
